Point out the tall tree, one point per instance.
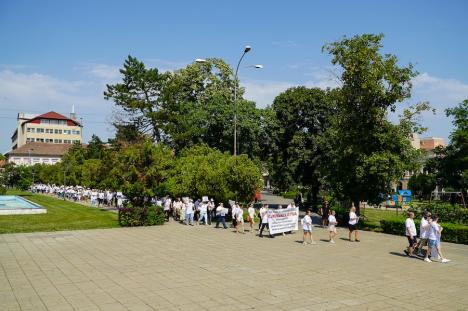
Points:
(367, 152)
(139, 98)
(297, 153)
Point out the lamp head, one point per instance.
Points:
(247, 48)
(258, 66)
(200, 60)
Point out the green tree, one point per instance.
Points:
(140, 170)
(95, 148)
(302, 115)
(422, 185)
(451, 163)
(139, 98)
(201, 170)
(367, 152)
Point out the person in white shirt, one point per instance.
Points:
(332, 226)
(352, 224)
(264, 221)
(424, 228)
(167, 207)
(239, 214)
(307, 228)
(119, 199)
(189, 209)
(221, 216)
(411, 234)
(203, 208)
(251, 217)
(435, 234)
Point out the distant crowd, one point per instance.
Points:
(204, 211)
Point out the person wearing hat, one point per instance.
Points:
(221, 216)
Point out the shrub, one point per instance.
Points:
(141, 216)
(3, 190)
(446, 212)
(455, 233)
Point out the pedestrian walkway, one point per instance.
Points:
(176, 267)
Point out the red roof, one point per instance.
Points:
(53, 115)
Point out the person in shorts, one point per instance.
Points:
(411, 234)
(352, 224)
(332, 226)
(424, 229)
(307, 229)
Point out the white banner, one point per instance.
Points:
(283, 220)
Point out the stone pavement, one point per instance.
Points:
(175, 267)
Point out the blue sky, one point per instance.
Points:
(54, 54)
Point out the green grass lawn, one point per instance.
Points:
(374, 215)
(61, 215)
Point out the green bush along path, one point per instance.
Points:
(61, 215)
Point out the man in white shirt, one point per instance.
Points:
(411, 234)
(424, 229)
(221, 216)
(203, 208)
(264, 222)
(189, 213)
(167, 207)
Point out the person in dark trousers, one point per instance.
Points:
(221, 216)
(325, 211)
(265, 222)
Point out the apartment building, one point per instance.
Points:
(50, 128)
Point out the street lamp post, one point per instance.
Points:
(246, 50)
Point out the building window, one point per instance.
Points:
(58, 131)
(49, 140)
(49, 131)
(57, 141)
(67, 141)
(76, 141)
(45, 121)
(68, 132)
(39, 130)
(30, 140)
(40, 140)
(36, 160)
(55, 160)
(31, 130)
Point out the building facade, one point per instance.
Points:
(48, 128)
(37, 153)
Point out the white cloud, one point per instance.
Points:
(263, 92)
(104, 72)
(39, 93)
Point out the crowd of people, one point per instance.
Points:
(205, 212)
(94, 197)
(430, 232)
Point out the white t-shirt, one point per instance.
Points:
(203, 207)
(189, 208)
(307, 223)
(424, 229)
(240, 214)
(410, 227)
(251, 212)
(353, 219)
(434, 231)
(221, 211)
(265, 216)
(331, 220)
(167, 204)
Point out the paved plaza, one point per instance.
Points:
(175, 267)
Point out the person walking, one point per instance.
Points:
(411, 234)
(307, 229)
(239, 219)
(203, 208)
(352, 224)
(332, 226)
(167, 207)
(265, 222)
(325, 211)
(424, 229)
(189, 210)
(435, 234)
(251, 217)
(221, 216)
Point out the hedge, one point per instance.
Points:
(446, 212)
(141, 216)
(454, 233)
